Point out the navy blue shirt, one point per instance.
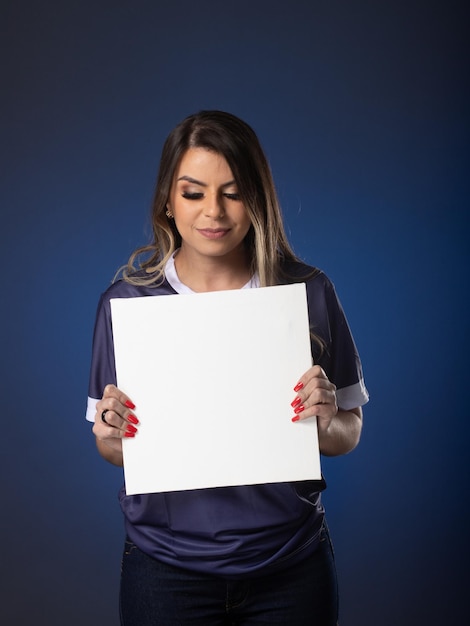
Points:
(236, 531)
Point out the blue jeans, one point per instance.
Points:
(156, 594)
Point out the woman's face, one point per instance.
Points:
(206, 206)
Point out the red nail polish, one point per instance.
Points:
(129, 404)
(299, 409)
(296, 402)
(295, 418)
(126, 434)
(131, 429)
(132, 419)
(298, 386)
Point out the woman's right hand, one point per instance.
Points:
(114, 419)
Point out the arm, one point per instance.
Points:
(339, 431)
(342, 434)
(119, 421)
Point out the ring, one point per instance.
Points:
(103, 418)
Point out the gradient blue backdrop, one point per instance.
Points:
(362, 109)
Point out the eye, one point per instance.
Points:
(192, 195)
(232, 196)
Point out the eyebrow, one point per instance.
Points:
(189, 179)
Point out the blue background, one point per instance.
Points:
(362, 108)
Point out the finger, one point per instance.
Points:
(316, 391)
(320, 411)
(115, 400)
(314, 372)
(111, 411)
(114, 422)
(322, 404)
(104, 431)
(111, 391)
(325, 394)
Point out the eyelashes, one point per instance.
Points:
(192, 196)
(198, 196)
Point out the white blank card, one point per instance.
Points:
(212, 377)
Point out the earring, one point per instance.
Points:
(169, 214)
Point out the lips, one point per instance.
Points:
(213, 233)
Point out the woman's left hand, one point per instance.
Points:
(316, 395)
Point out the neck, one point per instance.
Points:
(212, 273)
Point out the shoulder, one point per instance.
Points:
(300, 272)
(124, 289)
(323, 302)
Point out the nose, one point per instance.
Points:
(213, 206)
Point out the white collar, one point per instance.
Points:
(179, 287)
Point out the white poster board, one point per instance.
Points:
(212, 377)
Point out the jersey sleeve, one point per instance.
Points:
(338, 354)
(103, 371)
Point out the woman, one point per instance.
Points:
(237, 555)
